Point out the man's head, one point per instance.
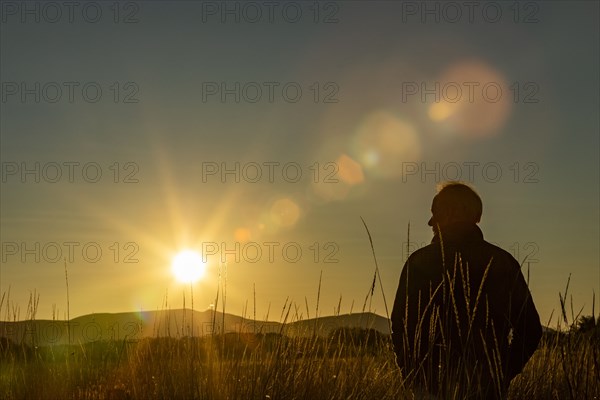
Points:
(455, 202)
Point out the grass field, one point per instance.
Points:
(349, 364)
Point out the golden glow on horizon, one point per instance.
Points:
(188, 267)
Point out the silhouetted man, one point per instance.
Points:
(464, 323)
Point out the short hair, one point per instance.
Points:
(457, 202)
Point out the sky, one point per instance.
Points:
(260, 133)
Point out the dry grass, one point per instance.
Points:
(348, 364)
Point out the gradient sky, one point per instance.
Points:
(541, 133)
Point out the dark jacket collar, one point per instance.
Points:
(460, 232)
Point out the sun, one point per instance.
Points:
(188, 266)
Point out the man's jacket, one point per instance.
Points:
(463, 306)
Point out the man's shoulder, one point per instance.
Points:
(425, 253)
(433, 252)
(424, 264)
(502, 259)
(499, 251)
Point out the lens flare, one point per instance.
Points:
(242, 235)
(383, 141)
(349, 171)
(474, 99)
(285, 212)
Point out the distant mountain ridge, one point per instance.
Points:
(174, 323)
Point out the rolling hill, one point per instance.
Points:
(173, 323)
